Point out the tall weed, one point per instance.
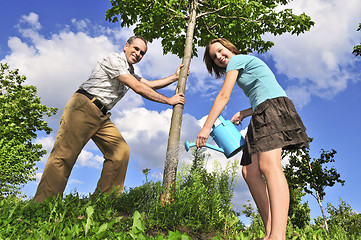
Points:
(202, 200)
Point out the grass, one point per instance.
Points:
(202, 209)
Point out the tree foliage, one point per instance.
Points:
(344, 216)
(21, 116)
(357, 48)
(312, 175)
(299, 212)
(240, 21)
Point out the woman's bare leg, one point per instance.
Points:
(271, 168)
(258, 188)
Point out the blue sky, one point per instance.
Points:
(57, 43)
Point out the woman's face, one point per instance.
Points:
(220, 54)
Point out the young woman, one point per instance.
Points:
(275, 125)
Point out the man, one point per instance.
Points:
(86, 117)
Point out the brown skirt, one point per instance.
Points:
(275, 123)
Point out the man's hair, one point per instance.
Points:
(131, 39)
(211, 66)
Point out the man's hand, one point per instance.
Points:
(176, 99)
(161, 83)
(177, 72)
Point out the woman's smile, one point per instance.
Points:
(220, 54)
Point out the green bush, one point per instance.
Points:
(344, 217)
(21, 119)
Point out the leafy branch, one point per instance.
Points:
(357, 48)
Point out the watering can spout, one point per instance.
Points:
(188, 145)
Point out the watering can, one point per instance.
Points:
(227, 137)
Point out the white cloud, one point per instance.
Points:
(156, 65)
(131, 100)
(88, 159)
(242, 194)
(38, 176)
(81, 25)
(146, 132)
(47, 143)
(157, 176)
(320, 60)
(59, 65)
(299, 94)
(85, 159)
(31, 20)
(75, 181)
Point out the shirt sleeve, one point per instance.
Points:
(236, 63)
(136, 76)
(114, 66)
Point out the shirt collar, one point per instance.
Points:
(129, 66)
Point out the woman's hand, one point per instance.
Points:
(202, 137)
(239, 116)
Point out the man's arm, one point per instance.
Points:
(161, 83)
(147, 92)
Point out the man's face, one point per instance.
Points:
(134, 52)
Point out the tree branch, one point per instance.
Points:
(173, 11)
(150, 4)
(212, 12)
(208, 28)
(226, 17)
(236, 17)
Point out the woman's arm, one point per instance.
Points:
(219, 104)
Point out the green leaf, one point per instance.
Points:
(103, 228)
(89, 221)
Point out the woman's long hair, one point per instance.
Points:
(211, 66)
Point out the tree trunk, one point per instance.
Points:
(319, 202)
(171, 162)
(323, 212)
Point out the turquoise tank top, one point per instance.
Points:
(255, 78)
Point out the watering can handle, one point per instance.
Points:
(223, 121)
(188, 145)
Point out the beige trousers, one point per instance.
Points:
(82, 121)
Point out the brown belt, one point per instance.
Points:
(97, 103)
